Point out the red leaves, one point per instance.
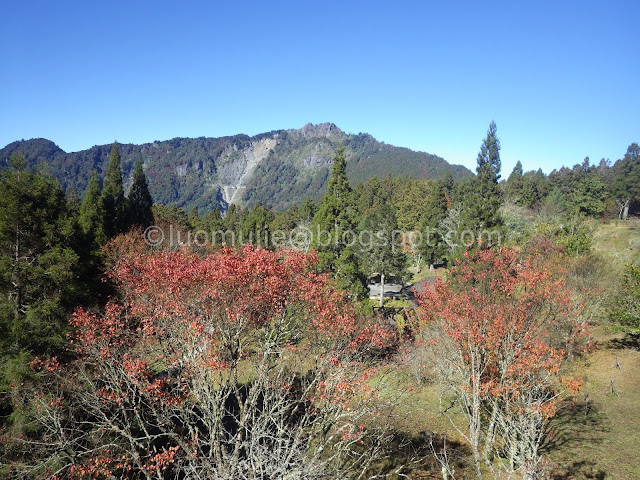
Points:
(498, 312)
(209, 301)
(188, 334)
(246, 288)
(573, 384)
(50, 364)
(160, 461)
(500, 325)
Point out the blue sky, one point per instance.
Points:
(561, 79)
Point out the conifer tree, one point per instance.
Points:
(38, 265)
(256, 226)
(484, 200)
(533, 184)
(139, 202)
(334, 229)
(433, 246)
(515, 184)
(307, 210)
(92, 216)
(194, 218)
(589, 195)
(113, 196)
(233, 220)
(409, 199)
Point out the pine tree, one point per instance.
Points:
(410, 198)
(233, 221)
(589, 195)
(515, 184)
(433, 247)
(92, 216)
(334, 229)
(211, 222)
(139, 202)
(533, 184)
(481, 206)
(113, 196)
(38, 265)
(194, 218)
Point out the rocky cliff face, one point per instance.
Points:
(322, 130)
(236, 166)
(276, 169)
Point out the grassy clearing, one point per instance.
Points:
(425, 272)
(603, 440)
(419, 427)
(618, 240)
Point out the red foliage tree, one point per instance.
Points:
(239, 364)
(491, 323)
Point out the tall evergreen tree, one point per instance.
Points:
(194, 218)
(334, 229)
(589, 195)
(91, 218)
(410, 198)
(515, 184)
(533, 186)
(211, 222)
(139, 202)
(46, 271)
(38, 264)
(481, 207)
(113, 196)
(488, 160)
(171, 215)
(233, 220)
(284, 221)
(448, 184)
(433, 246)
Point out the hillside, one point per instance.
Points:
(275, 169)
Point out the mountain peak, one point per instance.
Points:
(35, 150)
(322, 130)
(276, 169)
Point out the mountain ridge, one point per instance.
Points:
(276, 169)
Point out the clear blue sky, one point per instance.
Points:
(561, 79)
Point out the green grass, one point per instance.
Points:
(424, 272)
(416, 421)
(388, 302)
(618, 240)
(604, 441)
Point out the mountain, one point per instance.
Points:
(276, 169)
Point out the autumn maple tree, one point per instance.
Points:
(490, 327)
(238, 364)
